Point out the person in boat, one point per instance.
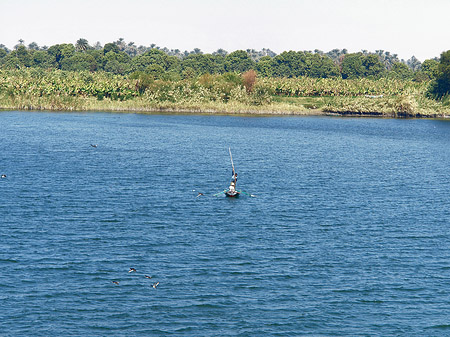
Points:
(232, 187)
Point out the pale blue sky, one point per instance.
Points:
(403, 27)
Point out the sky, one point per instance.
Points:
(404, 27)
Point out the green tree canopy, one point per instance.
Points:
(18, 58)
(110, 47)
(360, 65)
(79, 62)
(116, 62)
(401, 71)
(264, 66)
(3, 53)
(238, 61)
(430, 68)
(441, 87)
(98, 56)
(321, 66)
(41, 59)
(121, 58)
(151, 58)
(59, 52)
(374, 68)
(290, 64)
(203, 63)
(352, 66)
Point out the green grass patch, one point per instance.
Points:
(307, 103)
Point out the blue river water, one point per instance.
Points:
(348, 232)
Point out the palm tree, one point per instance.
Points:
(121, 44)
(389, 60)
(221, 52)
(268, 52)
(131, 49)
(98, 46)
(82, 45)
(21, 43)
(33, 46)
(414, 63)
(142, 49)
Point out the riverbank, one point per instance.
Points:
(390, 107)
(30, 89)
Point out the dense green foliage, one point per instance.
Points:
(441, 87)
(118, 76)
(48, 83)
(66, 90)
(359, 65)
(123, 59)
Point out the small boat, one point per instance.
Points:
(232, 194)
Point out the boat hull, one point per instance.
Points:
(232, 194)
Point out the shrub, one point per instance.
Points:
(143, 81)
(261, 95)
(249, 79)
(406, 105)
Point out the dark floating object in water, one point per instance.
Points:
(147, 276)
(115, 282)
(199, 194)
(132, 270)
(3, 175)
(94, 145)
(155, 285)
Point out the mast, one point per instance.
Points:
(232, 165)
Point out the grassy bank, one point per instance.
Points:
(36, 89)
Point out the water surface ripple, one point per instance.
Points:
(348, 234)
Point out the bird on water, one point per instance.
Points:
(116, 283)
(132, 270)
(155, 285)
(147, 276)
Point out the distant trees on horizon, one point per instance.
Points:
(120, 57)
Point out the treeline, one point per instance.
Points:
(123, 58)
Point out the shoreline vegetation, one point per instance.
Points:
(122, 77)
(229, 93)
